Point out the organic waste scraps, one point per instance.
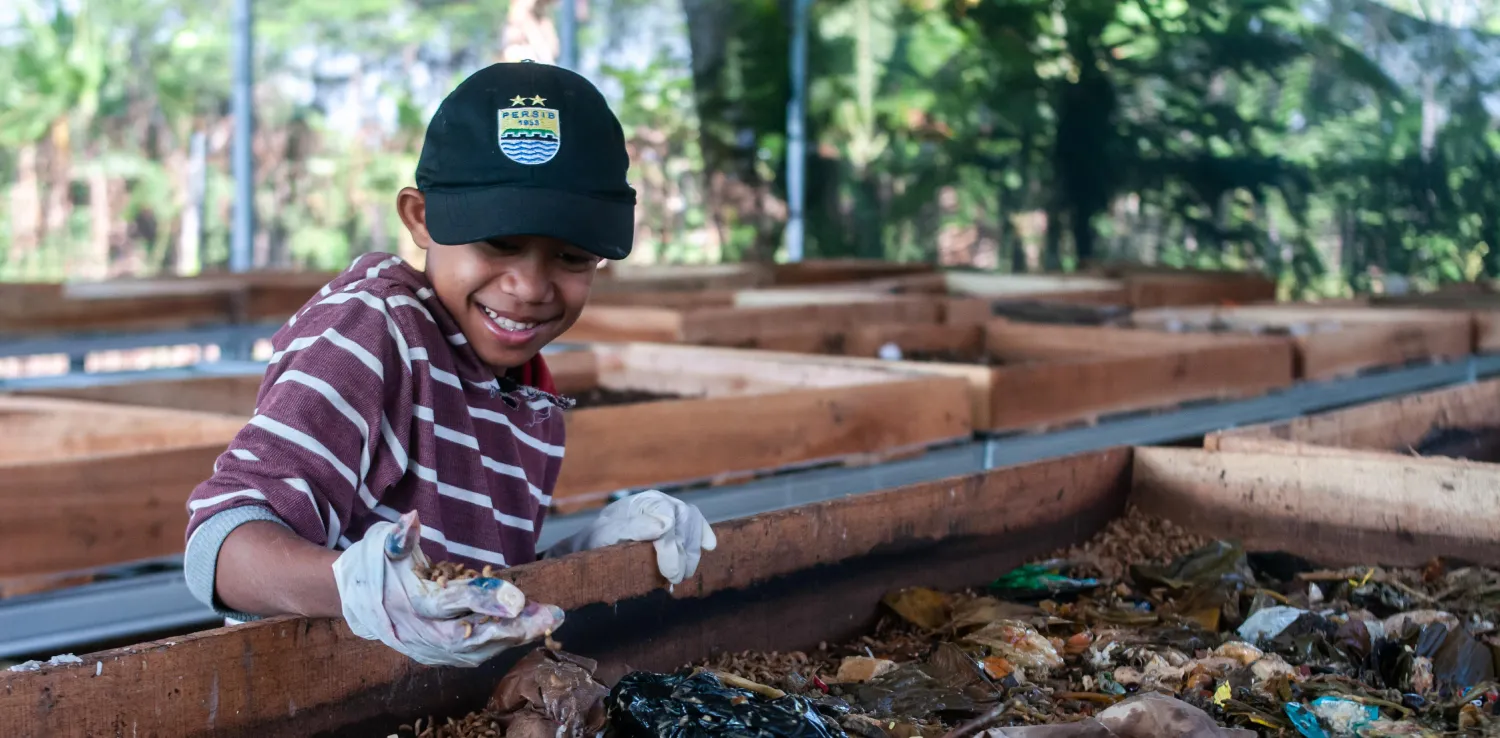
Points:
(1145, 630)
(1252, 642)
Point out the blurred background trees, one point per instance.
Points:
(1329, 142)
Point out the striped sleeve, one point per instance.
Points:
(330, 433)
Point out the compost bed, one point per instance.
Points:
(789, 580)
(1145, 606)
(659, 415)
(1330, 341)
(1033, 377)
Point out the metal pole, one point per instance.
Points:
(796, 133)
(567, 34)
(243, 233)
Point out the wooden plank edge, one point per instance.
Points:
(316, 675)
(1335, 509)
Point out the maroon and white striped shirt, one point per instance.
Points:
(373, 405)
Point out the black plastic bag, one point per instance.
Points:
(698, 705)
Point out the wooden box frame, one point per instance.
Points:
(784, 581)
(742, 413)
(1483, 307)
(751, 326)
(88, 484)
(1355, 338)
(1068, 374)
(1387, 427)
(157, 303)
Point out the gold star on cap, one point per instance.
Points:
(518, 100)
(538, 100)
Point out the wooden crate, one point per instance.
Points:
(807, 317)
(741, 413)
(1388, 427)
(1331, 341)
(226, 394)
(745, 412)
(782, 581)
(1042, 376)
(27, 309)
(1482, 306)
(273, 294)
(827, 271)
(680, 277)
(623, 277)
(155, 304)
(1153, 286)
(964, 297)
(87, 484)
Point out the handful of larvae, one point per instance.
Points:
(447, 571)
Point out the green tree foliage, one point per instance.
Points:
(1330, 142)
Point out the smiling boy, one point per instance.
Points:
(405, 406)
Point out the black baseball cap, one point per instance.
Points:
(524, 148)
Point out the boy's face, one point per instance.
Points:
(511, 296)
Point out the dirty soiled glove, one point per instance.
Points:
(678, 530)
(464, 622)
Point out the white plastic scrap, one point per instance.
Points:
(58, 660)
(890, 352)
(1268, 623)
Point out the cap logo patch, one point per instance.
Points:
(529, 133)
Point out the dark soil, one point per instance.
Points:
(1470, 444)
(606, 397)
(951, 357)
(1062, 314)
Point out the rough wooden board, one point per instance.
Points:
(626, 323)
(1486, 331)
(633, 446)
(265, 294)
(1032, 396)
(1483, 308)
(574, 371)
(1061, 287)
(827, 271)
(1078, 372)
(742, 327)
(98, 510)
(615, 276)
(1345, 510)
(1387, 426)
(1348, 351)
(866, 341)
(86, 484)
(1257, 445)
(1153, 290)
(669, 299)
(156, 303)
(1345, 340)
(41, 315)
(1081, 373)
(41, 430)
(287, 676)
(228, 394)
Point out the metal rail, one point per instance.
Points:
(41, 624)
(77, 347)
(233, 339)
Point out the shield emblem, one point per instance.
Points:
(529, 135)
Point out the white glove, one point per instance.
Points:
(678, 529)
(464, 623)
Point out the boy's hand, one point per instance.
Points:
(463, 623)
(679, 531)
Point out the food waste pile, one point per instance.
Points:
(1146, 630)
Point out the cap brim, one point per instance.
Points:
(604, 228)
